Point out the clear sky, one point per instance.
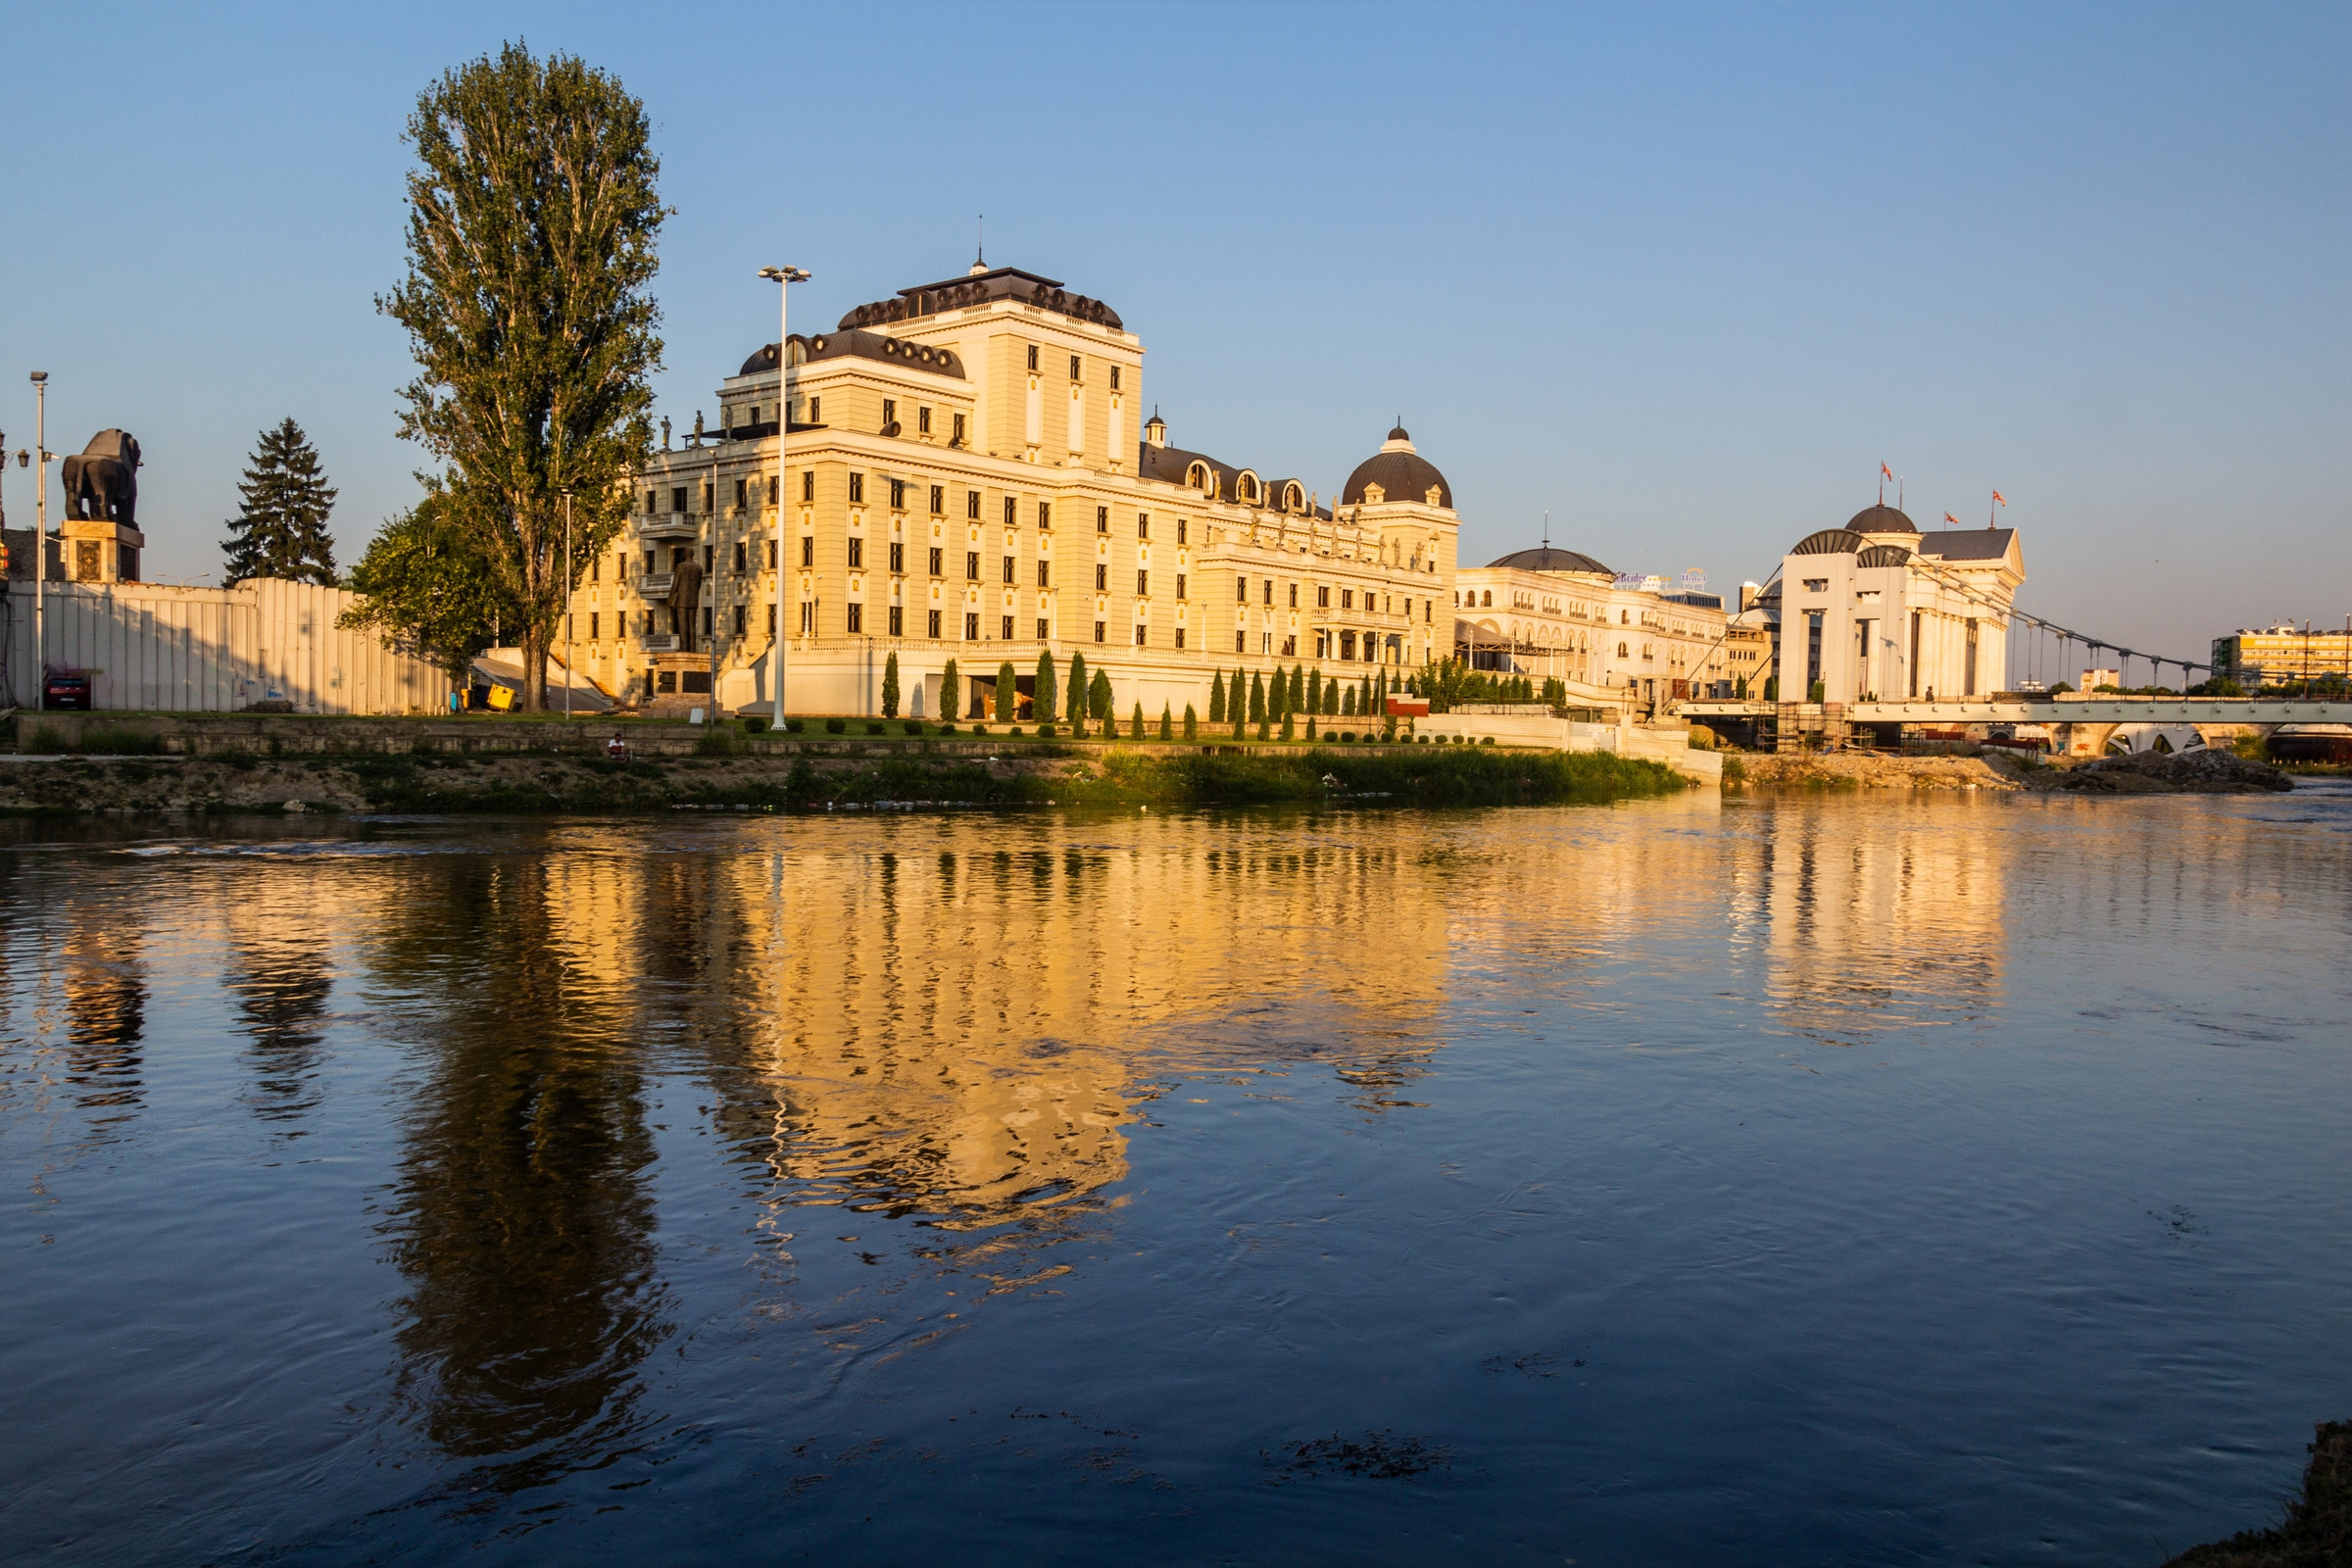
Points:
(1683, 277)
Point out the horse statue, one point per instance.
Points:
(102, 481)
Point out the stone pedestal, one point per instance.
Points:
(101, 552)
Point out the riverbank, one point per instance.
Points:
(819, 777)
(2317, 1529)
(2200, 772)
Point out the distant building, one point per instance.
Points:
(1552, 612)
(1879, 609)
(2283, 654)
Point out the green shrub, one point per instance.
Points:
(793, 726)
(912, 727)
(753, 724)
(873, 726)
(1488, 741)
(1015, 730)
(979, 729)
(837, 726)
(946, 729)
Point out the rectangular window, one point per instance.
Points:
(857, 488)
(1180, 586)
(596, 569)
(1115, 378)
(1045, 515)
(889, 416)
(1032, 356)
(739, 621)
(708, 563)
(1968, 670)
(1099, 629)
(649, 560)
(1007, 632)
(771, 489)
(1044, 575)
(1915, 653)
(1142, 525)
(743, 496)
(922, 420)
(1180, 636)
(1041, 628)
(1073, 366)
(1139, 636)
(972, 628)
(897, 495)
(939, 500)
(1812, 652)
(677, 499)
(808, 618)
(1142, 584)
(857, 621)
(1180, 530)
(1101, 580)
(1294, 596)
(1241, 642)
(592, 631)
(972, 503)
(1322, 597)
(816, 410)
(771, 555)
(937, 568)
(971, 565)
(898, 556)
(710, 494)
(1012, 518)
(649, 504)
(1008, 568)
(1241, 590)
(933, 632)
(808, 486)
(808, 550)
(857, 551)
(1269, 586)
(897, 617)
(772, 621)
(742, 557)
(707, 611)
(958, 438)
(1101, 519)
(1347, 598)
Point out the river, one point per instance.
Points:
(1829, 1179)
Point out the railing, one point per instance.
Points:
(671, 525)
(660, 645)
(653, 584)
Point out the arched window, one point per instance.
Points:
(1621, 651)
(1490, 599)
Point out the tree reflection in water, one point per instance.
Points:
(522, 1224)
(282, 975)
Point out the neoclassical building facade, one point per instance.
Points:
(963, 474)
(1555, 612)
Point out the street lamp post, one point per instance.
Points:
(41, 537)
(783, 278)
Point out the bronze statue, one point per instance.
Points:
(685, 590)
(102, 481)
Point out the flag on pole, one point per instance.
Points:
(1885, 472)
(1999, 498)
(1954, 521)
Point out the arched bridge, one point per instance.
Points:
(2078, 727)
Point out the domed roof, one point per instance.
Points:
(1401, 473)
(1880, 518)
(1549, 558)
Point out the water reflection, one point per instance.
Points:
(106, 1009)
(281, 976)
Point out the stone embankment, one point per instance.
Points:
(2198, 772)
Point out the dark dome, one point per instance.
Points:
(1549, 558)
(1880, 518)
(1401, 473)
(760, 363)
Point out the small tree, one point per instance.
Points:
(1192, 727)
(1008, 696)
(426, 588)
(1135, 728)
(1290, 730)
(1331, 697)
(950, 706)
(1045, 705)
(1167, 723)
(281, 529)
(1098, 697)
(1078, 694)
(1348, 702)
(1298, 697)
(1314, 691)
(1258, 698)
(890, 686)
(1216, 698)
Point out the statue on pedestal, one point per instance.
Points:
(102, 481)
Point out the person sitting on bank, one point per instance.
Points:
(616, 749)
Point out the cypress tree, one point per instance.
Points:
(280, 530)
(1192, 725)
(890, 686)
(1046, 704)
(1348, 702)
(1298, 697)
(1314, 692)
(1097, 698)
(1076, 710)
(1258, 698)
(1216, 698)
(950, 708)
(1331, 698)
(1167, 724)
(1290, 730)
(1135, 728)
(1008, 695)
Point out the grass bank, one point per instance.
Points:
(2318, 1529)
(820, 778)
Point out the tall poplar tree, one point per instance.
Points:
(1047, 701)
(890, 686)
(280, 526)
(950, 693)
(1216, 698)
(1298, 698)
(1314, 691)
(1257, 698)
(532, 221)
(1077, 708)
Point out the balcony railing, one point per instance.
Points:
(669, 525)
(667, 643)
(652, 584)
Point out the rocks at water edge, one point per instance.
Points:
(2204, 772)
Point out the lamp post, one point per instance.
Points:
(41, 537)
(783, 278)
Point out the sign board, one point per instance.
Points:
(1695, 581)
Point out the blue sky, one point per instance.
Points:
(1684, 276)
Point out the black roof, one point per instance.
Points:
(1880, 518)
(1400, 475)
(1967, 544)
(978, 288)
(1549, 558)
(1172, 464)
(861, 344)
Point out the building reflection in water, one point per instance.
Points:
(106, 1006)
(280, 978)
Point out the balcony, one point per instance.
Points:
(652, 584)
(660, 645)
(669, 525)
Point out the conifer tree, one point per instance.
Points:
(1167, 724)
(280, 530)
(950, 707)
(1314, 691)
(1258, 698)
(1135, 729)
(1348, 702)
(1097, 698)
(1298, 698)
(1008, 695)
(1216, 698)
(890, 686)
(1331, 698)
(1046, 703)
(1290, 730)
(1191, 724)
(1077, 709)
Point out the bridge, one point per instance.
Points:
(2079, 726)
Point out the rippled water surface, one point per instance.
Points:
(1831, 1179)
